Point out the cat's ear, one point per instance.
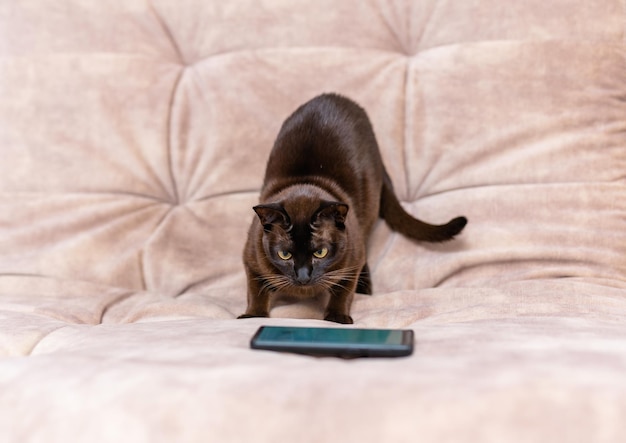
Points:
(334, 211)
(272, 214)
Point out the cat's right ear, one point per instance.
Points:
(272, 214)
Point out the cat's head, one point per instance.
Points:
(304, 238)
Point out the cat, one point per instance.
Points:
(325, 186)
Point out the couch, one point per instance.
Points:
(133, 140)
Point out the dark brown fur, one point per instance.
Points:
(325, 186)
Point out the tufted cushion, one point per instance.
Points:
(134, 136)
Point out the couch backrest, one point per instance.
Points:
(133, 136)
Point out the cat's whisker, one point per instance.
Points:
(351, 271)
(332, 279)
(336, 277)
(274, 282)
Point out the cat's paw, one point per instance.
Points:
(339, 318)
(251, 316)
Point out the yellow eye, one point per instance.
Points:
(284, 255)
(321, 253)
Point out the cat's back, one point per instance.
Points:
(328, 137)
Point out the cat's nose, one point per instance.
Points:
(303, 276)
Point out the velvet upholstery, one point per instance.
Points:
(133, 138)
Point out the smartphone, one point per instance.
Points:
(337, 342)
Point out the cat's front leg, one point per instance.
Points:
(258, 306)
(258, 300)
(364, 284)
(338, 309)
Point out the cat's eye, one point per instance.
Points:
(284, 255)
(321, 253)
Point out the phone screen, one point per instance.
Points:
(341, 342)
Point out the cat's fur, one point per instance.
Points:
(325, 186)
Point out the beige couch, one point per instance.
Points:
(133, 138)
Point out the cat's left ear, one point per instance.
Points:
(334, 211)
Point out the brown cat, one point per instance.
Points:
(325, 186)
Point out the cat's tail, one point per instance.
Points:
(401, 221)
